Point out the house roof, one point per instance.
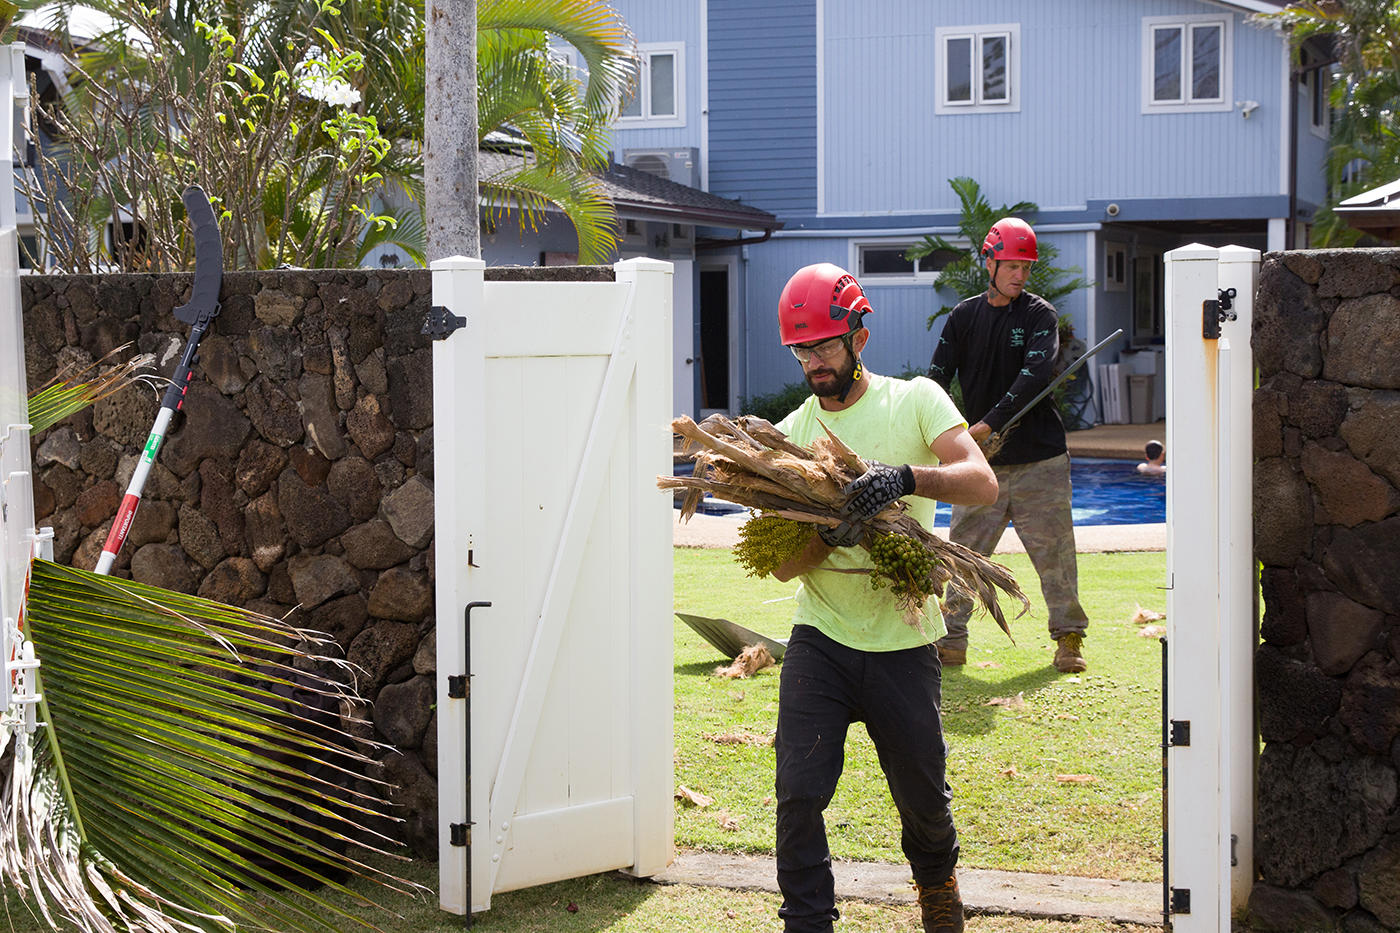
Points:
(641, 195)
(1376, 212)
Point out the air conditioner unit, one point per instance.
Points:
(681, 165)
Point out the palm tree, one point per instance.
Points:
(966, 274)
(1365, 142)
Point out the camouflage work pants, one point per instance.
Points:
(1036, 498)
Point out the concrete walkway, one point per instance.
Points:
(1022, 894)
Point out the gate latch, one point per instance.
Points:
(1216, 311)
(1181, 732)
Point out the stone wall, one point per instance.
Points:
(299, 479)
(1327, 533)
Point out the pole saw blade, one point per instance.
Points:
(199, 313)
(208, 259)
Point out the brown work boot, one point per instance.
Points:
(1069, 656)
(941, 906)
(951, 657)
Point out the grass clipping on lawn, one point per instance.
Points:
(749, 461)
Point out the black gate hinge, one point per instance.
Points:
(440, 322)
(457, 686)
(1213, 312)
(1181, 900)
(1181, 732)
(460, 834)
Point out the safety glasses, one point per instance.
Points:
(827, 350)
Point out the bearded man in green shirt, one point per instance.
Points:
(852, 656)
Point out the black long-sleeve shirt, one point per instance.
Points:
(1002, 357)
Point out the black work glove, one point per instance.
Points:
(868, 494)
(846, 534)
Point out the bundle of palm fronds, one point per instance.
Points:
(750, 462)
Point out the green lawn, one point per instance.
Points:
(1008, 763)
(1104, 724)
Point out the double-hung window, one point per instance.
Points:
(978, 69)
(1187, 63)
(657, 97)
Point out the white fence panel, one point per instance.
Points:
(1211, 614)
(552, 413)
(17, 533)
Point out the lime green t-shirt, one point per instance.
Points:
(894, 422)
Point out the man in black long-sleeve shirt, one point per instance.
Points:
(1001, 345)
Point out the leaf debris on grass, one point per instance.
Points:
(739, 738)
(1143, 616)
(694, 797)
(751, 660)
(1016, 702)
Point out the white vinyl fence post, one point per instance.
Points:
(1211, 610)
(1196, 870)
(17, 534)
(458, 464)
(651, 584)
(1239, 270)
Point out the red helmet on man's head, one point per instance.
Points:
(820, 301)
(1010, 238)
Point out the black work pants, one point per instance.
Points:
(825, 687)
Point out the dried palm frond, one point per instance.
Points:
(749, 461)
(68, 393)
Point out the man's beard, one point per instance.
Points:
(845, 377)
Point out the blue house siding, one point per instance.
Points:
(1079, 133)
(901, 339)
(763, 103)
(666, 23)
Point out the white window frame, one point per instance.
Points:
(1115, 274)
(1314, 82)
(914, 277)
(1186, 103)
(645, 52)
(943, 34)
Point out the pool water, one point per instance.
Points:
(1105, 492)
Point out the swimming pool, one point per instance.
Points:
(1105, 492)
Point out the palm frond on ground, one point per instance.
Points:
(194, 760)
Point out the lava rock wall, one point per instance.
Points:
(298, 479)
(1327, 534)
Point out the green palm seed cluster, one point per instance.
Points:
(903, 565)
(766, 542)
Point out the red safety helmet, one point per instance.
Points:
(1009, 239)
(820, 301)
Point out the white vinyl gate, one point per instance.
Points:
(552, 411)
(1212, 615)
